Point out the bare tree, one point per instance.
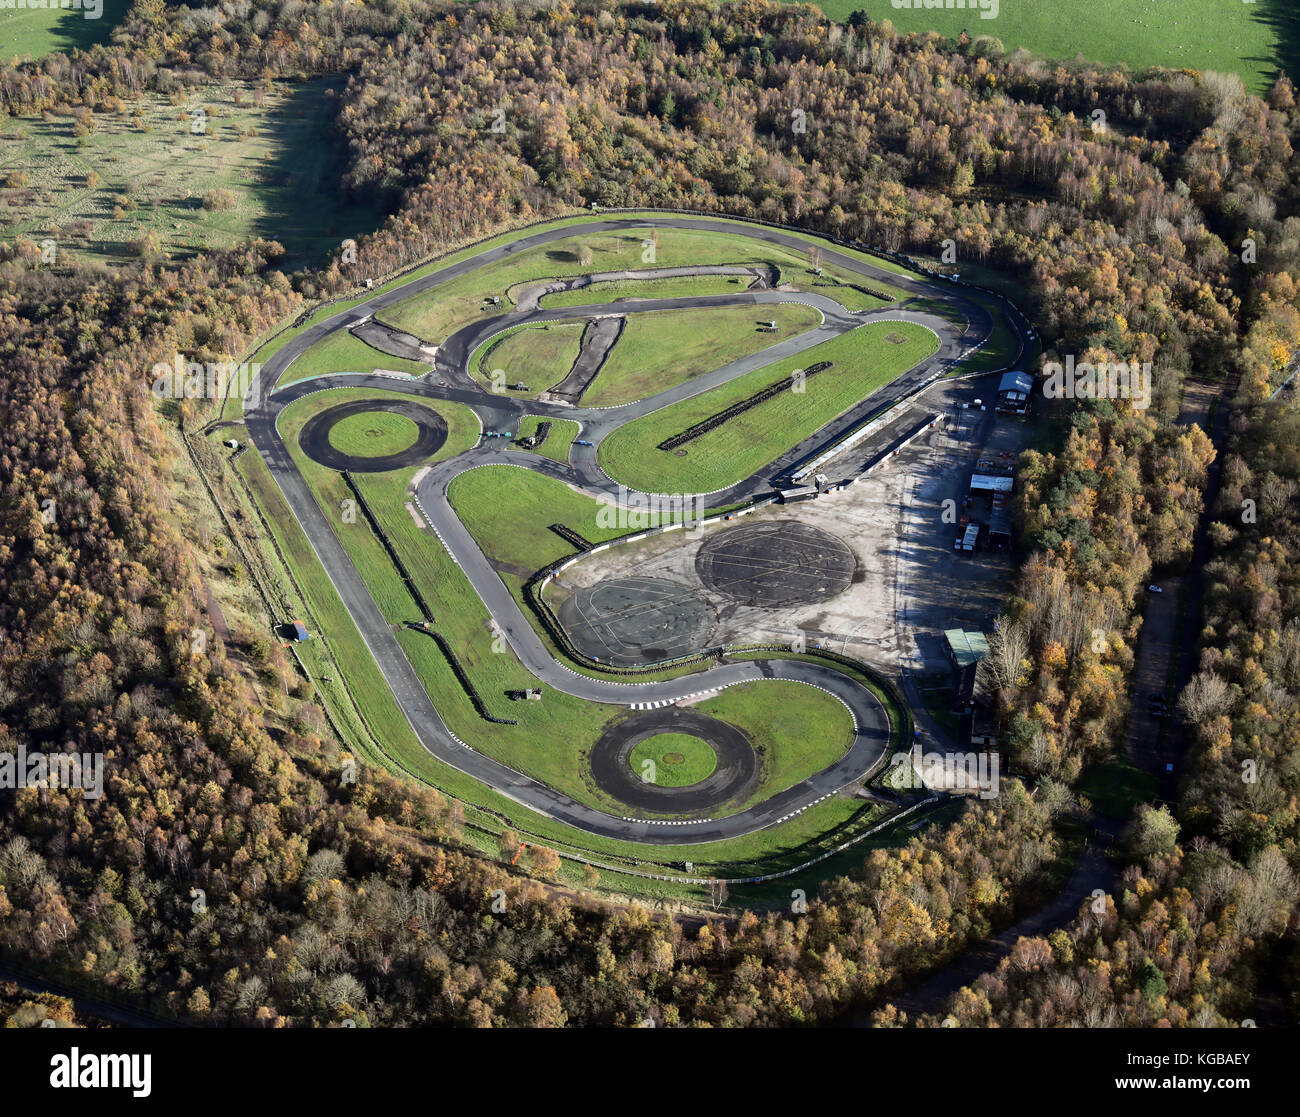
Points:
(1008, 647)
(1277, 494)
(718, 893)
(1206, 696)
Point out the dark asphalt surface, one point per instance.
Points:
(597, 341)
(315, 436)
(264, 405)
(734, 777)
(776, 564)
(633, 621)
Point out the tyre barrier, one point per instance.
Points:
(405, 574)
(570, 536)
(461, 675)
(713, 421)
(535, 440)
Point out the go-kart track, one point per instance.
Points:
(451, 380)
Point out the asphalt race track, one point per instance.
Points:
(733, 779)
(315, 436)
(451, 381)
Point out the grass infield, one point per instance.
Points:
(539, 356)
(660, 350)
(344, 352)
(558, 441)
(678, 759)
(375, 434)
(865, 359)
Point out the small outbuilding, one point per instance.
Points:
(1013, 392)
(966, 648)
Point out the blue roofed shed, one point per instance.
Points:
(1019, 383)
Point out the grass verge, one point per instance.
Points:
(864, 360)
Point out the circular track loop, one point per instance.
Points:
(315, 436)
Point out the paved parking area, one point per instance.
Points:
(907, 584)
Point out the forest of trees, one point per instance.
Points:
(1213, 886)
(1205, 923)
(321, 901)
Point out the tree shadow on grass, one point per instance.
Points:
(71, 30)
(1282, 17)
(301, 184)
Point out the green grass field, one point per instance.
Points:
(1226, 35)
(796, 729)
(673, 759)
(658, 351)
(507, 510)
(435, 313)
(36, 32)
(342, 351)
(558, 441)
(373, 435)
(266, 159)
(864, 359)
(682, 286)
(539, 356)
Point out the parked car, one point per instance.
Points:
(1155, 589)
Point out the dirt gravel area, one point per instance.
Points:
(908, 584)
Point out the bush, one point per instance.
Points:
(215, 200)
